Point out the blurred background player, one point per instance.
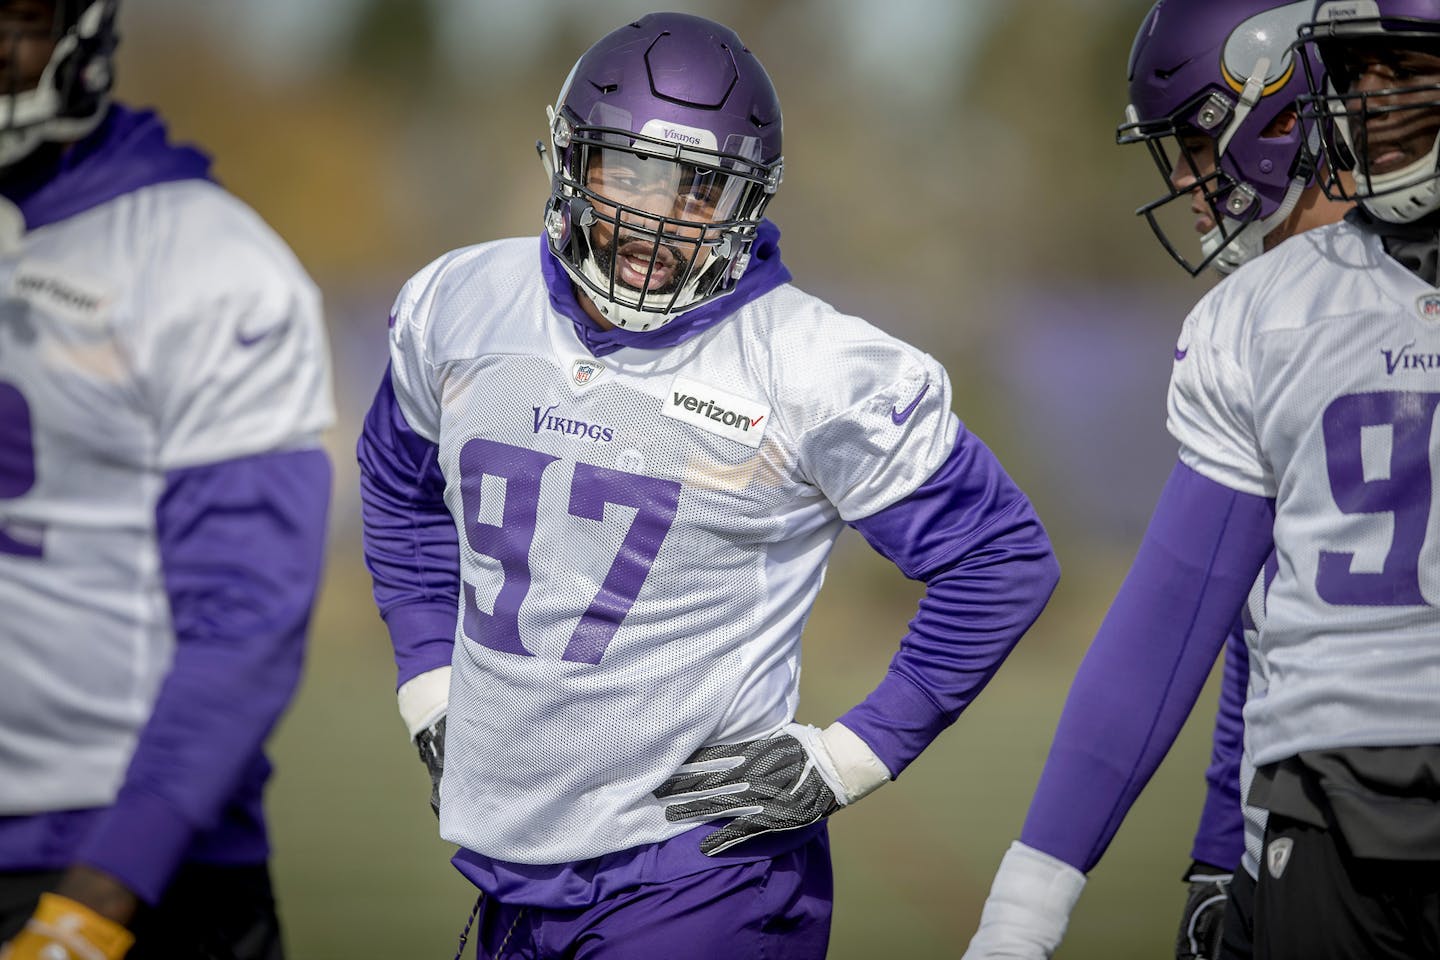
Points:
(601, 480)
(1236, 159)
(163, 495)
(1303, 399)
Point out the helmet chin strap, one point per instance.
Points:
(627, 316)
(1398, 203)
(1249, 242)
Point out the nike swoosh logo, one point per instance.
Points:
(1167, 74)
(249, 340)
(900, 416)
(1180, 354)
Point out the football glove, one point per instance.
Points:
(431, 744)
(1204, 916)
(423, 702)
(62, 929)
(791, 779)
(1028, 908)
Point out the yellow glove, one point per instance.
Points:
(62, 929)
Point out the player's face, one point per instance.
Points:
(27, 39)
(648, 195)
(1397, 88)
(1194, 165)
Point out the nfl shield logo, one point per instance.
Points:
(1428, 306)
(583, 371)
(1277, 856)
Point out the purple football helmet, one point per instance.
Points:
(1396, 44)
(1210, 84)
(666, 151)
(70, 96)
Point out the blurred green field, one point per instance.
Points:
(361, 872)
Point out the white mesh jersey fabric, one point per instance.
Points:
(1312, 375)
(635, 583)
(163, 329)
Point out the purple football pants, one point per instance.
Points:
(764, 910)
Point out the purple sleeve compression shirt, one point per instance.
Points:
(241, 549)
(973, 538)
(1148, 662)
(1220, 837)
(411, 546)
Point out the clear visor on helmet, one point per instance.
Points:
(1377, 109)
(1201, 209)
(663, 188)
(658, 222)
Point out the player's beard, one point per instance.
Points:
(669, 258)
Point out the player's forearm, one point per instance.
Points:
(241, 545)
(1156, 646)
(988, 567)
(1220, 837)
(411, 547)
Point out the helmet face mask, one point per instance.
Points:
(1376, 104)
(1213, 91)
(662, 175)
(57, 71)
(1195, 185)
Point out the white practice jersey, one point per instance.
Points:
(1312, 376)
(163, 329)
(642, 535)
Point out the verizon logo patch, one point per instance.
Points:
(55, 290)
(710, 408)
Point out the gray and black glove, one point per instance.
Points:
(424, 700)
(431, 744)
(782, 782)
(1204, 918)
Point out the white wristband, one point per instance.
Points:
(424, 699)
(856, 766)
(1028, 908)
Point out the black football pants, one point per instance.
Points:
(1316, 901)
(208, 913)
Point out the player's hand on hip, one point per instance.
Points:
(63, 929)
(1028, 908)
(1204, 917)
(791, 779)
(431, 744)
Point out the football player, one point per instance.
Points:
(601, 479)
(163, 383)
(1304, 400)
(1234, 157)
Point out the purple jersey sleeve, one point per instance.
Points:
(1220, 838)
(1149, 660)
(241, 549)
(972, 537)
(411, 546)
